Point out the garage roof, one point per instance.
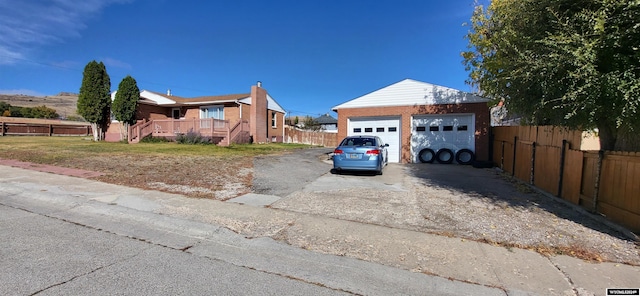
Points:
(411, 92)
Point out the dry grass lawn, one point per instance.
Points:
(203, 171)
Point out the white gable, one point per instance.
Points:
(410, 92)
(160, 100)
(271, 103)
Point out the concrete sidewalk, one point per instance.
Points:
(515, 271)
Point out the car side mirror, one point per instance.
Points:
(386, 145)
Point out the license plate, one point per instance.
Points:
(354, 156)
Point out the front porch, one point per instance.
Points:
(219, 131)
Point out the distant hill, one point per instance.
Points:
(64, 103)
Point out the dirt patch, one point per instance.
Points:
(194, 176)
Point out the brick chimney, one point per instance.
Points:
(258, 121)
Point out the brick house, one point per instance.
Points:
(421, 122)
(235, 118)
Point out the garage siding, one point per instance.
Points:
(406, 113)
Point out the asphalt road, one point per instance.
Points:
(43, 254)
(281, 175)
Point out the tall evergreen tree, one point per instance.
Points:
(94, 99)
(125, 103)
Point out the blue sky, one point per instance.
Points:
(309, 55)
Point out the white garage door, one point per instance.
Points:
(453, 131)
(388, 129)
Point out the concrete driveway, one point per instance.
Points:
(446, 199)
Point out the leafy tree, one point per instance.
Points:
(309, 123)
(573, 63)
(124, 104)
(94, 99)
(28, 112)
(42, 112)
(5, 109)
(16, 111)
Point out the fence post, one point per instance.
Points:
(2, 128)
(562, 158)
(513, 165)
(597, 182)
(50, 130)
(502, 157)
(491, 144)
(533, 163)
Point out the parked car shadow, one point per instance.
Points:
(354, 173)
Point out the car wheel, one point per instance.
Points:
(427, 155)
(444, 155)
(465, 156)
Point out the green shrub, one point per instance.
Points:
(152, 139)
(192, 138)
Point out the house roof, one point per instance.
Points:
(411, 92)
(172, 100)
(326, 119)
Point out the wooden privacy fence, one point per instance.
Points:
(293, 135)
(603, 182)
(43, 129)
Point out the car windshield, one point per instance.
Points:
(358, 142)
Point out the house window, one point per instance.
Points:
(421, 128)
(273, 119)
(392, 129)
(462, 127)
(379, 129)
(215, 112)
(175, 113)
(447, 128)
(434, 128)
(368, 129)
(357, 130)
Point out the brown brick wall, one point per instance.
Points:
(232, 113)
(190, 113)
(151, 112)
(481, 110)
(246, 111)
(258, 120)
(278, 131)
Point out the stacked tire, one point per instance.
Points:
(446, 156)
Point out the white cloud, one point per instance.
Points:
(111, 62)
(30, 23)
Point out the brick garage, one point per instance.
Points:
(411, 116)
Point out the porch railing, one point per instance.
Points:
(239, 133)
(171, 128)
